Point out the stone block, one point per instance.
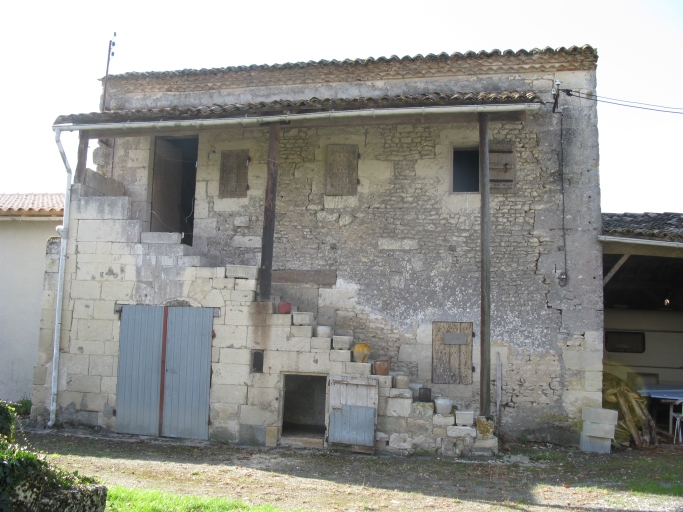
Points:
(460, 432)
(422, 411)
(83, 383)
(252, 242)
(448, 446)
(251, 435)
(74, 364)
(85, 289)
(248, 285)
(262, 308)
(443, 420)
(96, 208)
(340, 355)
(596, 415)
(160, 238)
(400, 393)
(213, 299)
(399, 407)
(265, 398)
(209, 272)
(595, 444)
(464, 418)
(109, 230)
(323, 331)
(267, 338)
(292, 344)
(191, 261)
(598, 430)
(301, 331)
(254, 415)
(226, 373)
(283, 320)
(94, 330)
(357, 368)
(234, 356)
(398, 244)
(582, 360)
(272, 435)
(241, 222)
(382, 405)
(384, 381)
(242, 271)
(342, 342)
(101, 365)
(232, 336)
(419, 426)
(302, 318)
(181, 274)
(439, 431)
(400, 442)
(321, 345)
(39, 375)
(117, 290)
(486, 447)
(242, 296)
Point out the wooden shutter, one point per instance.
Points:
(234, 178)
(503, 169)
(342, 170)
(452, 352)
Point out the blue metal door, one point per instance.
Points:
(187, 375)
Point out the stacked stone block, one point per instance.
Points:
(598, 429)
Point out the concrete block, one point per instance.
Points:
(321, 345)
(340, 355)
(242, 271)
(598, 430)
(595, 444)
(342, 342)
(443, 420)
(399, 407)
(160, 238)
(460, 432)
(596, 415)
(400, 393)
(249, 285)
(401, 442)
(357, 368)
(109, 230)
(282, 320)
(303, 318)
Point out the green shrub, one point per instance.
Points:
(23, 407)
(7, 416)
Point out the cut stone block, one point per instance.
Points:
(598, 430)
(302, 318)
(242, 296)
(285, 320)
(595, 444)
(342, 342)
(356, 368)
(485, 447)
(443, 420)
(249, 285)
(381, 436)
(191, 261)
(302, 331)
(160, 238)
(384, 381)
(459, 432)
(400, 393)
(464, 418)
(400, 442)
(323, 331)
(272, 435)
(595, 415)
(242, 271)
(340, 355)
(321, 345)
(399, 407)
(261, 308)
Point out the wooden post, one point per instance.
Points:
(485, 214)
(82, 161)
(269, 212)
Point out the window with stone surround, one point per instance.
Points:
(341, 176)
(465, 170)
(233, 181)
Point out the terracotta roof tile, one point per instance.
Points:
(308, 105)
(648, 226)
(17, 204)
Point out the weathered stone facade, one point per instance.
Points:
(405, 250)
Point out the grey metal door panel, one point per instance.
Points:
(188, 373)
(353, 424)
(137, 388)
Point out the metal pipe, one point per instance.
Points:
(244, 121)
(638, 241)
(64, 234)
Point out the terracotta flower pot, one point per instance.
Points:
(382, 366)
(361, 352)
(284, 308)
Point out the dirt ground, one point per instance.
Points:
(530, 476)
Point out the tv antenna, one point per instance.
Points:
(110, 54)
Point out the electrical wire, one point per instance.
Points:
(625, 101)
(597, 99)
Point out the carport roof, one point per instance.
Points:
(645, 226)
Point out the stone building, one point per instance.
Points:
(376, 235)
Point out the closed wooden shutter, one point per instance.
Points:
(452, 353)
(234, 177)
(342, 170)
(503, 169)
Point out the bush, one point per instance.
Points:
(23, 407)
(7, 416)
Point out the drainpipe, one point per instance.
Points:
(64, 234)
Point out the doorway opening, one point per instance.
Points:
(303, 422)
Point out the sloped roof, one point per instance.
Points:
(306, 105)
(32, 204)
(647, 226)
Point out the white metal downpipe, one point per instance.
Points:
(250, 121)
(64, 234)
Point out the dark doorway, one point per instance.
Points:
(304, 410)
(173, 186)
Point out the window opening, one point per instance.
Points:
(619, 341)
(257, 361)
(466, 170)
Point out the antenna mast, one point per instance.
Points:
(110, 54)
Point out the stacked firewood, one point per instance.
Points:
(635, 423)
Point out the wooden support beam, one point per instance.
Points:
(83, 139)
(485, 214)
(614, 269)
(269, 212)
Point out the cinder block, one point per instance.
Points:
(595, 444)
(356, 368)
(302, 318)
(598, 430)
(400, 393)
(321, 345)
(340, 355)
(160, 238)
(242, 271)
(595, 415)
(249, 285)
(342, 342)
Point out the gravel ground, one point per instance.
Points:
(530, 476)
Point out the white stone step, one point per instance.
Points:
(158, 237)
(242, 271)
(301, 318)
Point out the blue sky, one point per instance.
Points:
(54, 54)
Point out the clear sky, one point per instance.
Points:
(54, 53)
